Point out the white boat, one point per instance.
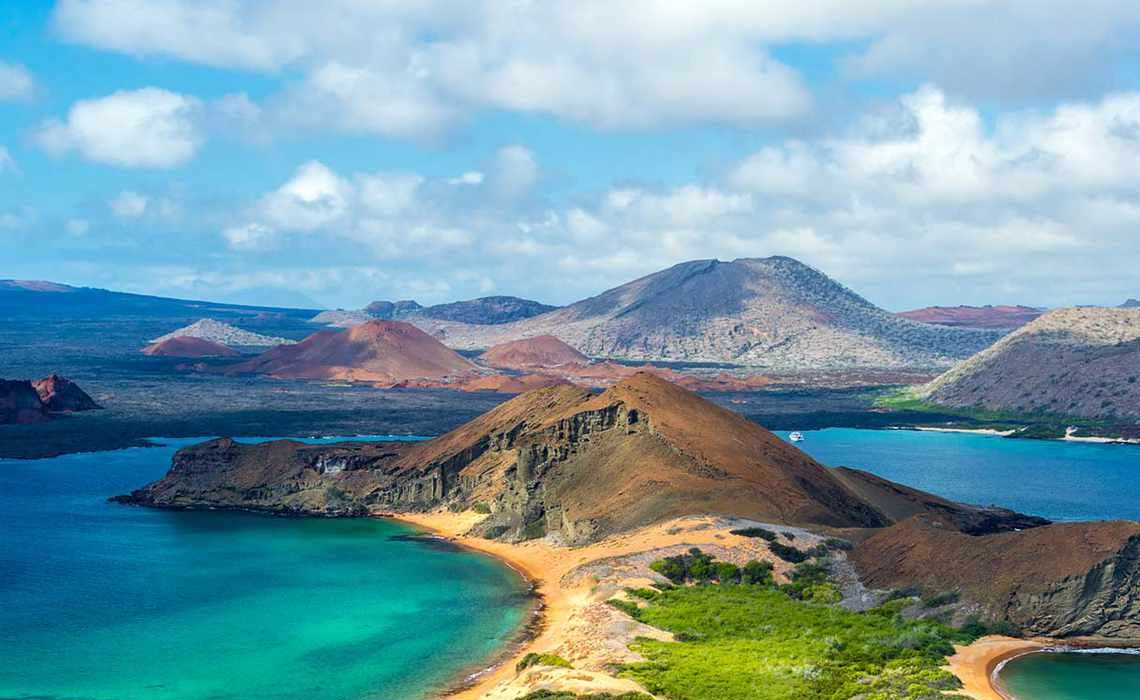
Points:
(796, 436)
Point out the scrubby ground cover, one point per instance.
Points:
(790, 642)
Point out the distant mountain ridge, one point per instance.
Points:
(996, 317)
(775, 313)
(223, 334)
(482, 311)
(1131, 304)
(1080, 362)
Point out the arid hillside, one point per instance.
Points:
(1075, 362)
(775, 313)
(379, 351)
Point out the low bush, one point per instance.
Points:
(787, 553)
(533, 659)
(755, 532)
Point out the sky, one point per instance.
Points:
(334, 153)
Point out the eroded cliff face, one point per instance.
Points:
(1058, 580)
(1102, 602)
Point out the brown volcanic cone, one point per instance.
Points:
(187, 346)
(564, 460)
(531, 353)
(381, 350)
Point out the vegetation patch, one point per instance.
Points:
(787, 552)
(758, 643)
(533, 659)
(755, 532)
(698, 567)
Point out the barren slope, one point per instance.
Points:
(768, 312)
(1080, 362)
(383, 351)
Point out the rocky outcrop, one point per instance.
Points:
(283, 476)
(773, 312)
(24, 401)
(999, 317)
(1059, 580)
(187, 346)
(20, 403)
(61, 395)
(1072, 362)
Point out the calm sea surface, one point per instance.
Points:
(101, 601)
(1057, 480)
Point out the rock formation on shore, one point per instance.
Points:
(25, 401)
(1064, 579)
(1072, 362)
(20, 403)
(377, 351)
(767, 312)
(187, 346)
(224, 334)
(61, 395)
(999, 317)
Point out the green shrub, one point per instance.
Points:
(757, 573)
(786, 552)
(755, 532)
(533, 659)
(482, 507)
(726, 572)
(626, 606)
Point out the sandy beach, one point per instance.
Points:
(975, 663)
(574, 584)
(974, 431)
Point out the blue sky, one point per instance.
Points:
(936, 153)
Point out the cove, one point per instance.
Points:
(1072, 676)
(102, 601)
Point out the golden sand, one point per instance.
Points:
(975, 663)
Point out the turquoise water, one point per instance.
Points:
(102, 601)
(1067, 676)
(1053, 479)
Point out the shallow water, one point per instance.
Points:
(1053, 479)
(103, 601)
(1072, 676)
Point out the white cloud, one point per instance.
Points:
(248, 236)
(128, 205)
(16, 83)
(77, 227)
(471, 177)
(147, 128)
(514, 171)
(313, 198)
(7, 162)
